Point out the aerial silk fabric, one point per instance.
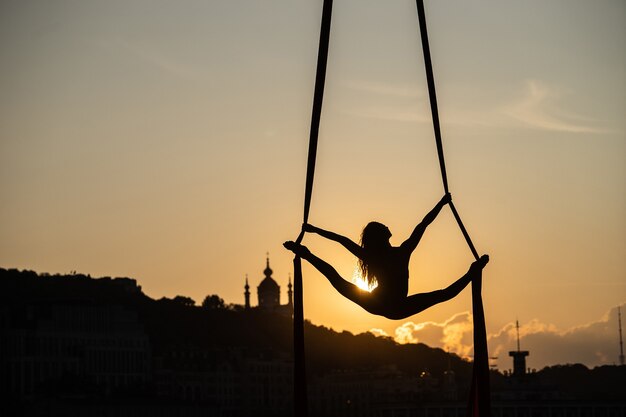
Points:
(300, 390)
(479, 401)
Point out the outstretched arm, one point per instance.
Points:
(411, 243)
(354, 248)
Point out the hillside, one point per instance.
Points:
(172, 324)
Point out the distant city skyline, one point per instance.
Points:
(166, 141)
(74, 345)
(594, 344)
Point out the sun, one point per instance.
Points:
(361, 282)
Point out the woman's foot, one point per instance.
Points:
(301, 251)
(479, 264)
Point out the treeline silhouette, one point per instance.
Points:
(172, 323)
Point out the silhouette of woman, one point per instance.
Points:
(388, 266)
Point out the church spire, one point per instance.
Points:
(290, 292)
(247, 293)
(268, 271)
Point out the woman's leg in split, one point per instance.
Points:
(345, 288)
(419, 302)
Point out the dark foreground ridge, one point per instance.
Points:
(75, 345)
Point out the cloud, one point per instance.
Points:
(592, 344)
(453, 335)
(395, 102)
(378, 332)
(539, 108)
(152, 56)
(383, 89)
(389, 113)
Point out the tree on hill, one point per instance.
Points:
(186, 301)
(213, 302)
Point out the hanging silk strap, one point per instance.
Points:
(479, 402)
(300, 390)
(430, 78)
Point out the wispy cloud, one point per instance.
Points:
(384, 89)
(151, 56)
(592, 344)
(383, 101)
(389, 113)
(540, 107)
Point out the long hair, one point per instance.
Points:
(373, 238)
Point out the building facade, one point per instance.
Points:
(102, 346)
(268, 294)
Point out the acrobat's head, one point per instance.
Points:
(375, 235)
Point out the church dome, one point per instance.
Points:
(268, 290)
(268, 284)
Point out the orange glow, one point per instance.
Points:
(361, 282)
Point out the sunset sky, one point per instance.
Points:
(166, 141)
